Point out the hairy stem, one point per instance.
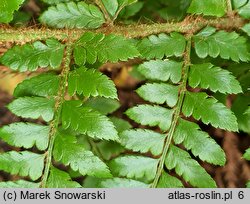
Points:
(58, 107)
(188, 25)
(177, 112)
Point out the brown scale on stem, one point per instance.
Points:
(190, 25)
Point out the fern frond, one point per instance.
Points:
(92, 47)
(198, 104)
(143, 141)
(199, 142)
(162, 46)
(134, 167)
(180, 131)
(168, 181)
(188, 168)
(216, 79)
(81, 138)
(73, 15)
(247, 112)
(240, 106)
(45, 85)
(120, 124)
(159, 93)
(103, 105)
(33, 107)
(7, 9)
(98, 84)
(23, 163)
(60, 179)
(68, 152)
(247, 154)
(26, 135)
(246, 28)
(109, 149)
(29, 57)
(85, 120)
(151, 115)
(115, 6)
(161, 70)
(226, 45)
(244, 10)
(208, 8)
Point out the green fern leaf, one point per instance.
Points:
(7, 9)
(120, 124)
(208, 8)
(244, 10)
(103, 105)
(25, 135)
(198, 104)
(22, 163)
(19, 184)
(114, 6)
(46, 84)
(33, 107)
(246, 29)
(134, 167)
(214, 78)
(247, 154)
(172, 10)
(240, 107)
(151, 115)
(162, 70)
(29, 57)
(73, 15)
(238, 3)
(131, 10)
(90, 82)
(143, 141)
(60, 179)
(199, 143)
(242, 73)
(87, 121)
(248, 184)
(223, 44)
(159, 93)
(162, 46)
(247, 112)
(67, 151)
(168, 181)
(111, 6)
(92, 47)
(91, 182)
(109, 149)
(188, 168)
